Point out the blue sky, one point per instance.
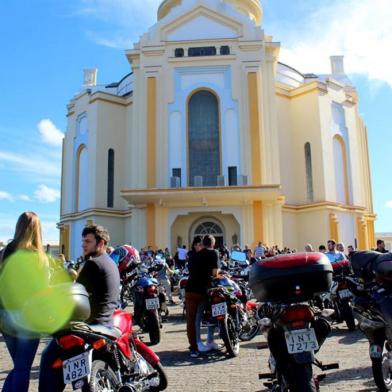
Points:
(45, 44)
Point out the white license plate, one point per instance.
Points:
(76, 368)
(344, 293)
(301, 340)
(219, 309)
(152, 303)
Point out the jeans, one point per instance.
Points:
(50, 380)
(192, 301)
(22, 347)
(199, 318)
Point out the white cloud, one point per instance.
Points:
(24, 198)
(6, 196)
(359, 30)
(45, 194)
(388, 204)
(49, 133)
(41, 164)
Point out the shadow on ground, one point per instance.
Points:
(182, 358)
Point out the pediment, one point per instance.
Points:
(201, 24)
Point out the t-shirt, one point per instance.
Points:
(101, 279)
(200, 266)
(259, 251)
(182, 253)
(334, 257)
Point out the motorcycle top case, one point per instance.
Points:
(294, 277)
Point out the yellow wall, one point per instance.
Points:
(258, 222)
(334, 227)
(64, 241)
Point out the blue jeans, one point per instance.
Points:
(22, 351)
(50, 380)
(210, 330)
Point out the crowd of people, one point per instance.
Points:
(101, 278)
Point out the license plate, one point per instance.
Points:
(152, 303)
(301, 340)
(219, 309)
(76, 368)
(344, 293)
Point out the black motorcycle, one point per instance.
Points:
(147, 305)
(294, 329)
(226, 311)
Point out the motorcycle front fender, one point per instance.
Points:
(146, 353)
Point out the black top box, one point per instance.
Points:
(294, 277)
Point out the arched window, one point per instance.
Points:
(203, 138)
(82, 178)
(110, 195)
(341, 173)
(208, 228)
(309, 172)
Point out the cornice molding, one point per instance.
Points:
(95, 211)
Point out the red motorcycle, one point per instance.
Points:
(96, 358)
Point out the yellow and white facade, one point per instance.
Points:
(210, 133)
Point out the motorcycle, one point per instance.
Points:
(182, 289)
(251, 325)
(340, 297)
(295, 330)
(95, 358)
(147, 305)
(224, 312)
(372, 307)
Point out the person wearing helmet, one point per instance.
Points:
(163, 276)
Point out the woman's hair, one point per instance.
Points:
(28, 235)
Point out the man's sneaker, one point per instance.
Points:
(212, 346)
(202, 347)
(194, 354)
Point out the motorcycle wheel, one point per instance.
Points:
(153, 327)
(229, 336)
(381, 373)
(299, 378)
(103, 378)
(348, 317)
(162, 379)
(254, 329)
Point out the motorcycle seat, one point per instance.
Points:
(113, 333)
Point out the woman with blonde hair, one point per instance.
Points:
(21, 343)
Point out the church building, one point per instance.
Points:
(210, 133)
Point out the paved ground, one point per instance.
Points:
(217, 373)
